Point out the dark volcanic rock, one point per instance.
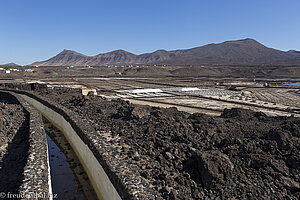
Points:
(281, 138)
(213, 167)
(242, 114)
(140, 111)
(293, 161)
(240, 155)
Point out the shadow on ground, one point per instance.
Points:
(13, 162)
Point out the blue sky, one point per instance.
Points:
(32, 30)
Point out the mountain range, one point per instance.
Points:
(10, 65)
(237, 52)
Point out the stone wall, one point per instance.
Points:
(36, 181)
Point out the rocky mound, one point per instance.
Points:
(241, 154)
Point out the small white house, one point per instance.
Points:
(86, 91)
(6, 71)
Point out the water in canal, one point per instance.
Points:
(293, 84)
(69, 180)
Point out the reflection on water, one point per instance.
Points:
(69, 180)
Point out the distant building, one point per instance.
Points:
(86, 91)
(6, 71)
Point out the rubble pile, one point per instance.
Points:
(240, 155)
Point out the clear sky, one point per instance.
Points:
(33, 30)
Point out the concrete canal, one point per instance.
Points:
(69, 180)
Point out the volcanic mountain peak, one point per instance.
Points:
(70, 52)
(161, 51)
(67, 50)
(247, 40)
(244, 42)
(117, 52)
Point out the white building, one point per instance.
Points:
(86, 91)
(6, 71)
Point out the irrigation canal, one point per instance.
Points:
(69, 180)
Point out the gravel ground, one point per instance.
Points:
(14, 144)
(23, 149)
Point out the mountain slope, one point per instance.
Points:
(118, 57)
(10, 65)
(247, 51)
